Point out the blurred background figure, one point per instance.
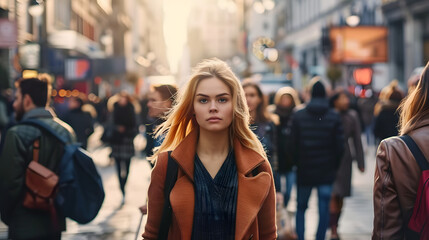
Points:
(124, 120)
(352, 137)
(385, 112)
(414, 79)
(286, 100)
(160, 101)
(263, 124)
(317, 145)
(81, 121)
(366, 106)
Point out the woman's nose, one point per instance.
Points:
(213, 106)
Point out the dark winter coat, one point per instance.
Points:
(122, 142)
(267, 134)
(285, 161)
(386, 123)
(317, 143)
(352, 135)
(82, 124)
(25, 223)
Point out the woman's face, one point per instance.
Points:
(213, 105)
(252, 98)
(156, 105)
(123, 101)
(285, 101)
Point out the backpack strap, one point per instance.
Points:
(36, 149)
(417, 153)
(40, 124)
(170, 180)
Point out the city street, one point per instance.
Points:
(122, 223)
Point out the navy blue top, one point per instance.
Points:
(215, 201)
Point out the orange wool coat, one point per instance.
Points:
(256, 206)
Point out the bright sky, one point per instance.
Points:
(175, 29)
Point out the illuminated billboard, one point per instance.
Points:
(358, 45)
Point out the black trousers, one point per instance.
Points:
(123, 169)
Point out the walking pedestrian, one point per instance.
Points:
(343, 181)
(124, 131)
(81, 121)
(286, 100)
(159, 102)
(386, 114)
(263, 125)
(224, 187)
(397, 173)
(31, 102)
(317, 145)
(366, 106)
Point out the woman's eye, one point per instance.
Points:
(203, 100)
(223, 100)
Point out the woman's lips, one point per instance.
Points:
(214, 119)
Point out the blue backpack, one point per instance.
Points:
(80, 189)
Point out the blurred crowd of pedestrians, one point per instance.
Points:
(310, 137)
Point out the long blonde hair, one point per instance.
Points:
(180, 121)
(416, 105)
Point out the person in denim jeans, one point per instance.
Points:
(324, 197)
(286, 100)
(317, 145)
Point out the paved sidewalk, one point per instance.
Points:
(357, 215)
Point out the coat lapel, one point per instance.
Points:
(183, 204)
(184, 153)
(252, 191)
(183, 195)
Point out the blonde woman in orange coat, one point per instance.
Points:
(216, 195)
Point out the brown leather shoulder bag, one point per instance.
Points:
(41, 184)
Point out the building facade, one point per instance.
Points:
(83, 43)
(408, 23)
(306, 45)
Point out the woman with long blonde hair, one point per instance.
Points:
(397, 173)
(224, 187)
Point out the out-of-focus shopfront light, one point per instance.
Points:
(258, 7)
(271, 54)
(35, 8)
(268, 4)
(353, 20)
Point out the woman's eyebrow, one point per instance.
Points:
(219, 95)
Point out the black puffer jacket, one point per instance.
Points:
(317, 143)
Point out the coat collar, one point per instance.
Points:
(252, 191)
(39, 113)
(246, 159)
(422, 123)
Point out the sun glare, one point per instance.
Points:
(175, 29)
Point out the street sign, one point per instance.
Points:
(8, 33)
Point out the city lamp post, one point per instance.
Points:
(36, 9)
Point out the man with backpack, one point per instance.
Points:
(31, 103)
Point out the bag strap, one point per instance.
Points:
(417, 153)
(36, 148)
(170, 180)
(40, 124)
